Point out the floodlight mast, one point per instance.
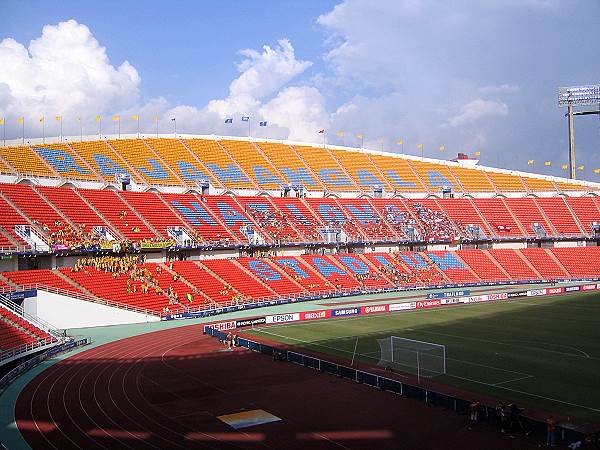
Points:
(577, 96)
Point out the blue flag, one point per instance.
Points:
(229, 120)
(245, 118)
(262, 124)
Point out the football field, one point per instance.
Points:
(542, 353)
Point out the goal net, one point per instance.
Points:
(424, 359)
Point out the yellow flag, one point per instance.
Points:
(117, 118)
(1, 120)
(42, 119)
(400, 142)
(442, 148)
(530, 162)
(596, 170)
(420, 146)
(340, 133)
(58, 118)
(548, 163)
(360, 136)
(98, 118)
(135, 117)
(21, 119)
(581, 168)
(565, 166)
(477, 153)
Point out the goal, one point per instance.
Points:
(424, 359)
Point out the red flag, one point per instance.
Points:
(322, 130)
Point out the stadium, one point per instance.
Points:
(181, 290)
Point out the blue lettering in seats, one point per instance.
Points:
(446, 261)
(263, 270)
(397, 179)
(230, 215)
(327, 268)
(334, 177)
(331, 213)
(196, 215)
(436, 179)
(157, 170)
(261, 207)
(366, 178)
(364, 213)
(383, 260)
(415, 260)
(299, 176)
(231, 173)
(61, 160)
(296, 212)
(190, 171)
(265, 176)
(293, 264)
(107, 166)
(355, 264)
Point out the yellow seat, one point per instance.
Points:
(473, 180)
(254, 164)
(398, 173)
(27, 162)
(331, 174)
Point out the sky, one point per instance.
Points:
(469, 76)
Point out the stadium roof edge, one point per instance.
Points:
(88, 138)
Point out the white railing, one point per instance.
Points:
(36, 321)
(16, 351)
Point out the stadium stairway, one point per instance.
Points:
(501, 220)
(209, 285)
(585, 210)
(514, 265)
(16, 331)
(338, 276)
(303, 273)
(527, 212)
(559, 215)
(483, 265)
(546, 263)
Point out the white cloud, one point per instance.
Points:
(64, 71)
(476, 110)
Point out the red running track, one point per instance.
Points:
(164, 390)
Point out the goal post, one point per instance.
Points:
(424, 359)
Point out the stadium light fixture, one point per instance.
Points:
(577, 96)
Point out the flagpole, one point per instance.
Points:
(138, 127)
(23, 130)
(100, 128)
(80, 130)
(43, 130)
(4, 132)
(156, 120)
(61, 139)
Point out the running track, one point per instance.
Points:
(164, 390)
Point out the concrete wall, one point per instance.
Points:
(66, 312)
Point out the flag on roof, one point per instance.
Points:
(420, 146)
(42, 119)
(58, 118)
(477, 153)
(262, 124)
(228, 120)
(1, 120)
(98, 118)
(172, 119)
(581, 167)
(340, 133)
(548, 163)
(117, 118)
(400, 142)
(322, 130)
(245, 118)
(135, 117)
(596, 170)
(565, 166)
(360, 136)
(442, 148)
(21, 120)
(530, 162)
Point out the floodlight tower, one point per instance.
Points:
(577, 96)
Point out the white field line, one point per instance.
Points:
(489, 341)
(555, 345)
(514, 379)
(526, 393)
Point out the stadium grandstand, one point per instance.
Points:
(210, 222)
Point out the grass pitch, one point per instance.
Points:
(539, 352)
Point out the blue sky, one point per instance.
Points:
(473, 76)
